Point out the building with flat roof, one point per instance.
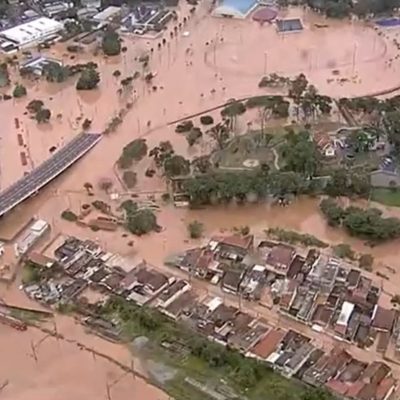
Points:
(32, 33)
(107, 14)
(30, 236)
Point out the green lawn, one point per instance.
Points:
(387, 197)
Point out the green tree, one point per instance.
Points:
(195, 229)
(338, 183)
(220, 133)
(19, 91)
(176, 165)
(193, 136)
(129, 178)
(69, 216)
(343, 250)
(111, 43)
(88, 80)
(201, 164)
(43, 115)
(161, 153)
(142, 222)
(105, 184)
(366, 261)
(206, 120)
(54, 72)
(300, 153)
(297, 87)
(34, 105)
(360, 141)
(332, 212)
(133, 151)
(88, 186)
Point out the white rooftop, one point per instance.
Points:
(107, 13)
(33, 30)
(214, 303)
(39, 225)
(345, 313)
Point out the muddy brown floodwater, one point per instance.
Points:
(194, 73)
(63, 371)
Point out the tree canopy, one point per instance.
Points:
(300, 153)
(364, 223)
(88, 80)
(133, 151)
(111, 43)
(141, 222)
(19, 91)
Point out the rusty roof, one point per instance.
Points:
(322, 314)
(384, 387)
(375, 372)
(243, 242)
(280, 256)
(383, 318)
(268, 344)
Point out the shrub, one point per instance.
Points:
(105, 184)
(244, 230)
(193, 136)
(101, 206)
(86, 124)
(343, 250)
(165, 197)
(88, 80)
(69, 216)
(142, 222)
(43, 115)
(30, 274)
(135, 150)
(19, 91)
(111, 44)
(184, 126)
(117, 73)
(365, 262)
(34, 106)
(206, 120)
(129, 178)
(195, 229)
(233, 108)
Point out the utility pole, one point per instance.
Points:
(108, 392)
(34, 352)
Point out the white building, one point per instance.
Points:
(107, 14)
(31, 33)
(30, 236)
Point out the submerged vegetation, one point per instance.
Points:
(213, 361)
(139, 221)
(294, 237)
(363, 223)
(133, 151)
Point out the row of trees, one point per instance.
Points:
(170, 163)
(243, 373)
(345, 8)
(363, 223)
(139, 221)
(133, 151)
(38, 111)
(216, 187)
